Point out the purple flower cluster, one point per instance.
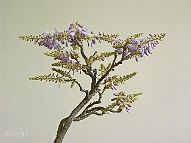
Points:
(76, 30)
(65, 57)
(124, 53)
(75, 33)
(49, 40)
(137, 48)
(128, 107)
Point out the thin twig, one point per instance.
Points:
(81, 88)
(113, 65)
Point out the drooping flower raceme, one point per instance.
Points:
(49, 40)
(138, 47)
(77, 31)
(64, 57)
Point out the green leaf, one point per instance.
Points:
(31, 38)
(63, 73)
(103, 69)
(123, 100)
(70, 66)
(110, 38)
(55, 53)
(52, 78)
(116, 80)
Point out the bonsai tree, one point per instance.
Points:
(68, 49)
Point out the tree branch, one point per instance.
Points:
(81, 88)
(88, 71)
(60, 136)
(113, 65)
(65, 123)
(82, 52)
(82, 116)
(93, 103)
(99, 111)
(87, 113)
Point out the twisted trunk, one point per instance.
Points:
(66, 122)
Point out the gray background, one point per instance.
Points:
(30, 111)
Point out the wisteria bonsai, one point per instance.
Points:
(69, 52)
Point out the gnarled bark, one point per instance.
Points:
(66, 122)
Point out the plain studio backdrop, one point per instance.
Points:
(30, 110)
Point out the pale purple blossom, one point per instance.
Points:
(134, 45)
(119, 50)
(83, 31)
(65, 58)
(49, 40)
(72, 34)
(139, 47)
(145, 51)
(135, 42)
(76, 30)
(127, 108)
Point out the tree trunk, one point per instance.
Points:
(66, 122)
(62, 129)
